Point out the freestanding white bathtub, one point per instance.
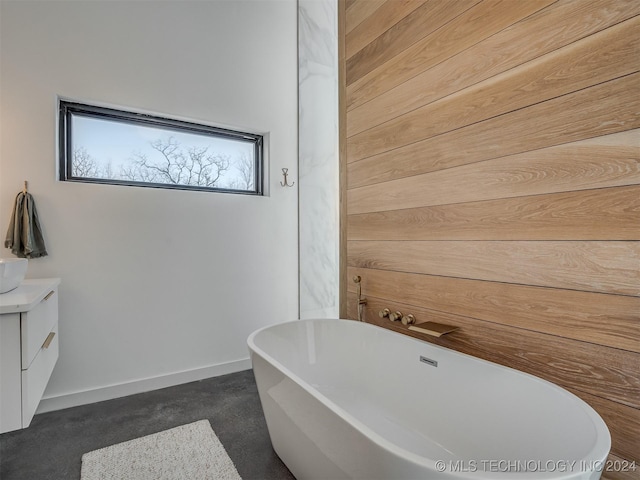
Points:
(345, 399)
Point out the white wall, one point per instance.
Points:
(154, 282)
(318, 140)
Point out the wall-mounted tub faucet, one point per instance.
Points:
(430, 328)
(397, 316)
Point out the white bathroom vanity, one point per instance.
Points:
(28, 349)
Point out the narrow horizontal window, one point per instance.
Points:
(105, 145)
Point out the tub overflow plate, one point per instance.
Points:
(428, 361)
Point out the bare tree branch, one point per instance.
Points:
(194, 167)
(244, 165)
(83, 164)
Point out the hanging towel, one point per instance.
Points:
(24, 236)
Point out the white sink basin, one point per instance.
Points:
(12, 272)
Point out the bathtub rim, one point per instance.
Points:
(603, 436)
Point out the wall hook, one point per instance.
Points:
(24, 188)
(286, 183)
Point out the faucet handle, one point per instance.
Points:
(384, 313)
(408, 319)
(396, 316)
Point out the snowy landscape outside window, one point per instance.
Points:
(105, 145)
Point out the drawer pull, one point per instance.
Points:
(48, 295)
(48, 340)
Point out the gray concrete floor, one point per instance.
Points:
(52, 446)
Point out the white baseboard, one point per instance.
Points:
(109, 392)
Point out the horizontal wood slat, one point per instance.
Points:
(607, 55)
(423, 21)
(605, 267)
(608, 161)
(534, 36)
(470, 27)
(385, 17)
(358, 11)
(604, 109)
(602, 214)
(604, 372)
(611, 320)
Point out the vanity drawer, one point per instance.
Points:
(36, 324)
(36, 377)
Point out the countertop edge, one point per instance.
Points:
(19, 300)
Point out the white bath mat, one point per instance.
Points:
(188, 452)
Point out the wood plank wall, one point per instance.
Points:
(491, 150)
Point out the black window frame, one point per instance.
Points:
(68, 108)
